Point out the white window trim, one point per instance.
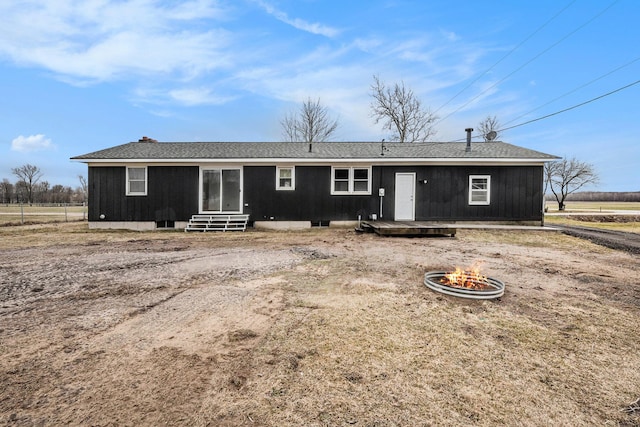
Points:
(350, 190)
(127, 182)
(293, 178)
(485, 202)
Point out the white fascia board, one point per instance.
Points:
(163, 162)
(310, 162)
(391, 161)
(460, 162)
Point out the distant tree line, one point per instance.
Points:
(603, 196)
(29, 188)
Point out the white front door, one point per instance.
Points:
(405, 206)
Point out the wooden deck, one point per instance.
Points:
(407, 228)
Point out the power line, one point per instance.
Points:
(573, 107)
(561, 111)
(530, 61)
(575, 90)
(504, 57)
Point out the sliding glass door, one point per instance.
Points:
(221, 190)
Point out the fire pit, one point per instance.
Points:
(464, 284)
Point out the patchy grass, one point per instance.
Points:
(610, 222)
(78, 232)
(370, 352)
(28, 215)
(533, 239)
(346, 335)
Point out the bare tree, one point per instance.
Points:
(401, 112)
(6, 191)
(568, 176)
(83, 188)
(289, 128)
(60, 194)
(41, 192)
(30, 175)
(20, 191)
(488, 125)
(311, 124)
(606, 196)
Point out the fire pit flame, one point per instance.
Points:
(469, 283)
(471, 279)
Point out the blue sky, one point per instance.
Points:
(81, 75)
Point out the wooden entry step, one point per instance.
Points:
(218, 222)
(408, 228)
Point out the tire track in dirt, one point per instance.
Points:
(614, 239)
(159, 348)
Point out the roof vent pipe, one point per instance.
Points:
(468, 131)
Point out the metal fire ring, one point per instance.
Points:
(432, 280)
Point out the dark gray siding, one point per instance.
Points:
(172, 194)
(310, 201)
(516, 194)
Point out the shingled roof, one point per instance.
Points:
(153, 151)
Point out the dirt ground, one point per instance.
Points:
(318, 328)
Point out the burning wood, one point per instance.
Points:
(471, 278)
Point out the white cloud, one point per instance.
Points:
(26, 144)
(178, 53)
(100, 40)
(300, 24)
(189, 96)
(450, 35)
(367, 44)
(198, 96)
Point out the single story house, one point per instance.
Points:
(149, 184)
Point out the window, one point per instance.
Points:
(360, 180)
(137, 181)
(479, 189)
(285, 178)
(350, 180)
(341, 180)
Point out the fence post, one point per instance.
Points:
(21, 213)
(65, 213)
